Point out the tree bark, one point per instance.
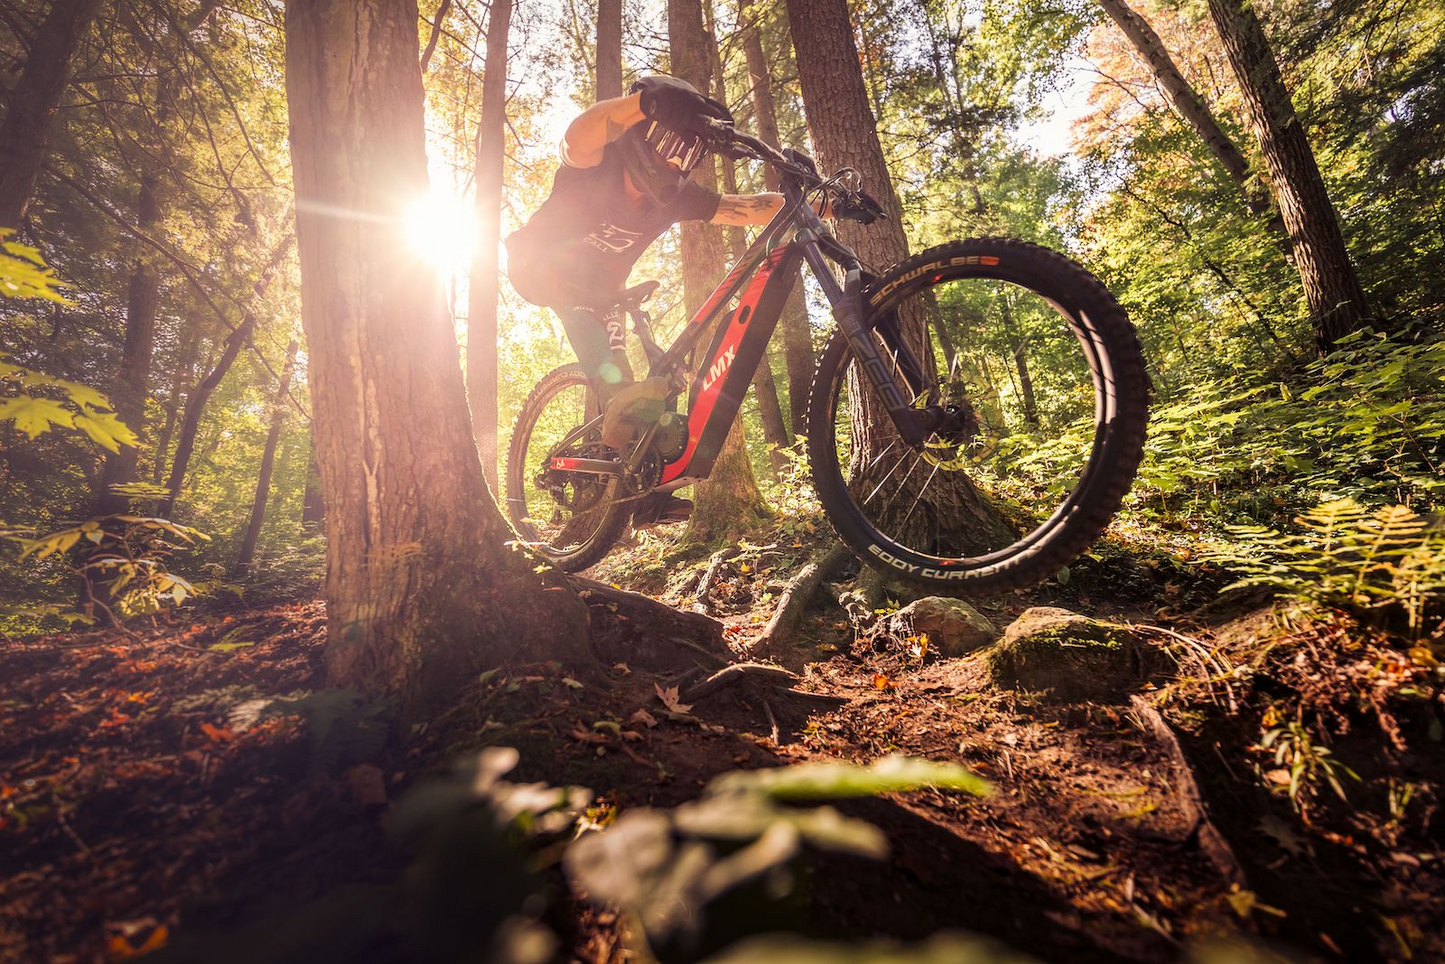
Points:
(180, 381)
(132, 383)
(201, 394)
(1017, 342)
(313, 504)
(421, 592)
(845, 135)
(483, 289)
(797, 333)
(1332, 289)
(25, 133)
(765, 389)
(609, 49)
(1189, 106)
(268, 463)
(728, 501)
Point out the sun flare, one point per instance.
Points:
(442, 228)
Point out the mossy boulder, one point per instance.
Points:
(953, 626)
(1069, 656)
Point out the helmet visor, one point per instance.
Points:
(683, 151)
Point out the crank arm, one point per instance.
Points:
(559, 463)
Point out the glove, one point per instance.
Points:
(860, 207)
(680, 107)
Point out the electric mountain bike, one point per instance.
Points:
(975, 420)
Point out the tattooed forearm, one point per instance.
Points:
(743, 209)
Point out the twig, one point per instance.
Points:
(69, 830)
(773, 722)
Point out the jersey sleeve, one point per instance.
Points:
(695, 203)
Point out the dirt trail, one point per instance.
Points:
(136, 801)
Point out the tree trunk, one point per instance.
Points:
(797, 334)
(268, 463)
(609, 49)
(1332, 288)
(313, 504)
(25, 134)
(201, 394)
(1189, 105)
(421, 592)
(845, 135)
(180, 381)
(770, 412)
(482, 297)
(1016, 343)
(728, 501)
(132, 383)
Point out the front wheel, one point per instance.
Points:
(1044, 399)
(571, 518)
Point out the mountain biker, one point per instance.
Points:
(623, 181)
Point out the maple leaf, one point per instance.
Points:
(33, 416)
(669, 699)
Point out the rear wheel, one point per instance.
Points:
(1042, 398)
(571, 518)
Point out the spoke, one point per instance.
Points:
(889, 476)
(879, 457)
(911, 469)
(919, 497)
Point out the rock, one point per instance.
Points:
(1071, 656)
(953, 626)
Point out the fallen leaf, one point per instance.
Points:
(669, 699)
(217, 734)
(118, 947)
(643, 717)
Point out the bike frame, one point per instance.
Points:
(762, 280)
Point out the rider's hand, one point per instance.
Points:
(858, 206)
(681, 108)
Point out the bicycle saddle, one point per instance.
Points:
(634, 297)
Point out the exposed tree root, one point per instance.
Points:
(633, 628)
(795, 598)
(736, 673)
(1190, 800)
(709, 576)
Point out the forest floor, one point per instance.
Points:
(142, 794)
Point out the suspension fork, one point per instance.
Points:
(849, 310)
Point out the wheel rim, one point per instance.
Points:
(557, 514)
(1037, 379)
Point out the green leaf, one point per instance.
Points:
(83, 395)
(105, 429)
(50, 544)
(34, 416)
(836, 781)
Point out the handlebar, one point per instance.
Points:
(728, 140)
